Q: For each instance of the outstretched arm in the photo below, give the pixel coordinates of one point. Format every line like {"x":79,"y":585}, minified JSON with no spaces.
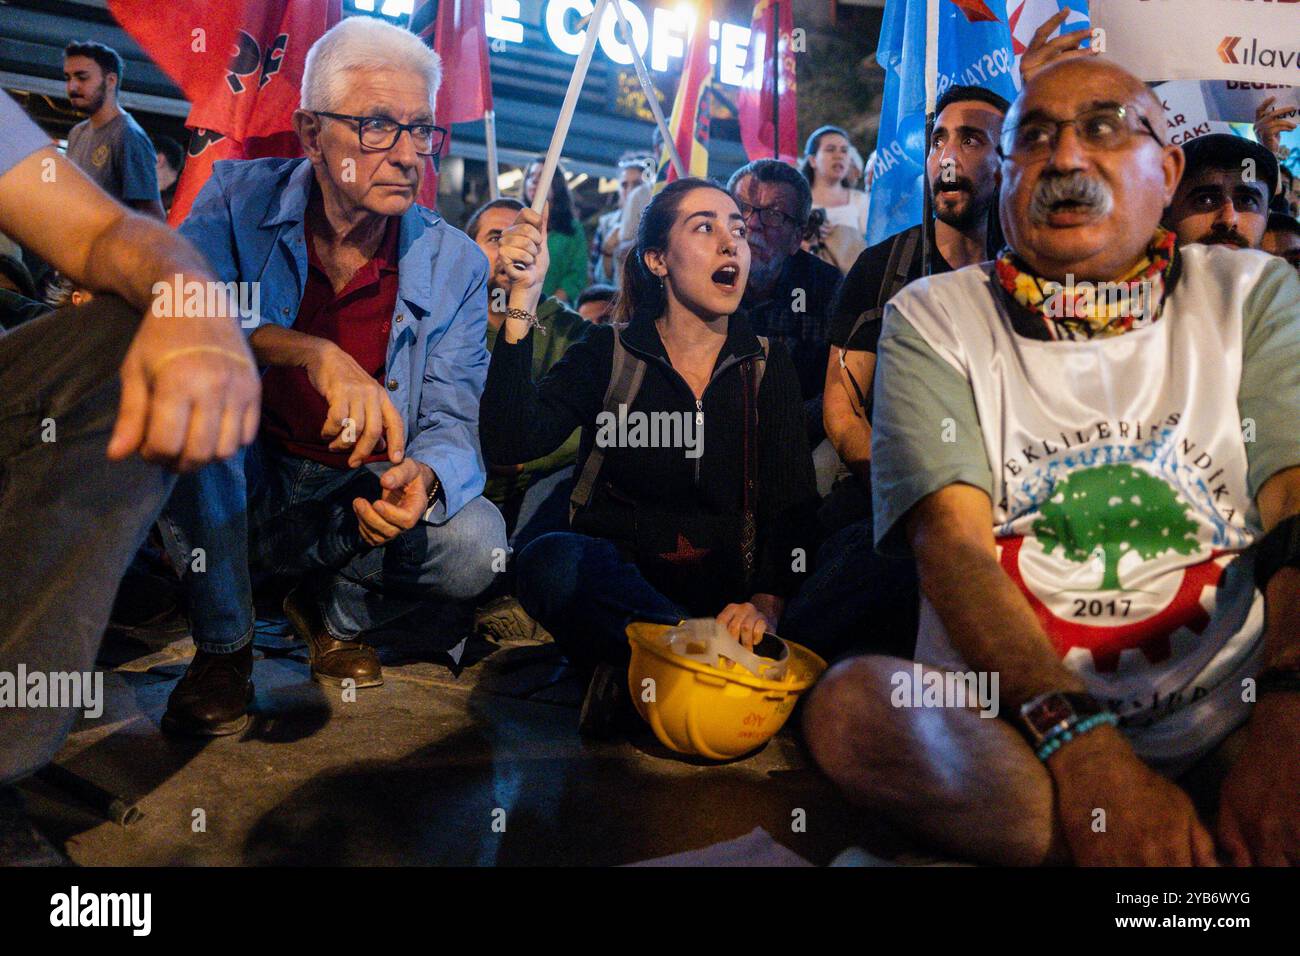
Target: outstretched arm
{"x":190,"y":392}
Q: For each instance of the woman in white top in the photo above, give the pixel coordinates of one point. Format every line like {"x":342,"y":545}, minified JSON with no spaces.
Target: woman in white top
{"x":826,"y":165}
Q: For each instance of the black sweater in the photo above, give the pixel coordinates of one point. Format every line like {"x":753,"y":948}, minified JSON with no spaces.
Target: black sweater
{"x":679,"y":518}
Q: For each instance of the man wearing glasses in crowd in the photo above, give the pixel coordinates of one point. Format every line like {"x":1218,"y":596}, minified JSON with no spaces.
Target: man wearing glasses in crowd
{"x":788,"y":297}
{"x":1089,"y":445}
{"x":365,"y":485}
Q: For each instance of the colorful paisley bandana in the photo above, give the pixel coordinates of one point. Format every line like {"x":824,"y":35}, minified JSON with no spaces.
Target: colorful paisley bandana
{"x":1053,"y":311}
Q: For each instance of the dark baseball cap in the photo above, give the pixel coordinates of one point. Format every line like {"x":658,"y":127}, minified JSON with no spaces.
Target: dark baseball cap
{"x":1226,"y":151}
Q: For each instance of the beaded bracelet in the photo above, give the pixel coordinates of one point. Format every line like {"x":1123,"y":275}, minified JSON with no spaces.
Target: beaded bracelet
{"x":533,"y":321}
{"x":1061,"y":737}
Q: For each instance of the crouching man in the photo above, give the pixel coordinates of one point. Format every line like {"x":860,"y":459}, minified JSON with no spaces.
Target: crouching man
{"x":367,"y":477}
{"x":1101,"y":492}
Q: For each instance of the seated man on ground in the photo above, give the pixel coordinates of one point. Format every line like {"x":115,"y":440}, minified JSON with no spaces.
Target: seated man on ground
{"x":857,"y":598}
{"x":1101,"y":487}
{"x":366,"y":483}
{"x":99,"y":403}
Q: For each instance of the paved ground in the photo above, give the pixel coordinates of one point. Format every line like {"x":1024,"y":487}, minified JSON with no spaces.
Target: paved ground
{"x":476,"y":762}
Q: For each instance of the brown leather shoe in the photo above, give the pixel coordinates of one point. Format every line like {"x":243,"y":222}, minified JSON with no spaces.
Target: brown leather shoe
{"x":212,"y":697}
{"x":332,"y":661}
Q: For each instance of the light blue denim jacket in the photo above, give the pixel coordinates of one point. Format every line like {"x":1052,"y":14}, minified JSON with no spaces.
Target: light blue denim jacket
{"x":248,"y":221}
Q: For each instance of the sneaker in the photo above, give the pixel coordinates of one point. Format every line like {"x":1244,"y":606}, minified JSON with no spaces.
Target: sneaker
{"x":504,"y":621}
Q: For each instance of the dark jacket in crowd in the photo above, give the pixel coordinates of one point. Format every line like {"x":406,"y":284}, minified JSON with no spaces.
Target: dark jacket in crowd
{"x":678,"y":518}
{"x":798,"y":315}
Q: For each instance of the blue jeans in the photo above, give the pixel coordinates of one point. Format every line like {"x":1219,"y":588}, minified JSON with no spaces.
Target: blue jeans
{"x":545,"y":508}
{"x":585,"y":592}
{"x":293,"y":517}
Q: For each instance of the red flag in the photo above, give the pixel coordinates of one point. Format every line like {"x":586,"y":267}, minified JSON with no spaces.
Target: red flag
{"x":239,"y":63}
{"x":768,"y":90}
{"x":693,"y":106}
{"x":457,"y":30}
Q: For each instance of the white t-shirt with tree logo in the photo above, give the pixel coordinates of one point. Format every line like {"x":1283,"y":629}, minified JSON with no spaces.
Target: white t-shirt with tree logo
{"x":1122,"y":472}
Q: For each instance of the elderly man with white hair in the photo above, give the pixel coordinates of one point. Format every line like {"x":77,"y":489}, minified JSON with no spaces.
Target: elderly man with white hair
{"x":365,"y":483}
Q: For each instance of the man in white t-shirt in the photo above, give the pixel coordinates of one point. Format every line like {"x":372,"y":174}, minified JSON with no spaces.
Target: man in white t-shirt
{"x":1090,"y":447}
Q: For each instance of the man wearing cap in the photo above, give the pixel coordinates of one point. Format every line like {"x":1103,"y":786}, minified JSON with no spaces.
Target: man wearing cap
{"x":1223,"y":196}
{"x":1089,"y":446}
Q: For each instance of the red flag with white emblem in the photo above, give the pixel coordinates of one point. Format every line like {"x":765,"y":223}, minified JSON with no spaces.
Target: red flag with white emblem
{"x":239,"y":64}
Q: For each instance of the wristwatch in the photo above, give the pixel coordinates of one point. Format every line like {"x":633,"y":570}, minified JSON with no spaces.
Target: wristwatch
{"x":1056,"y":712}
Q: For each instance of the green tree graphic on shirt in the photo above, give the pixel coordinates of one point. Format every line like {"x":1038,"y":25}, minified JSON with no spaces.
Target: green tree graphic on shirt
{"x":1116,"y":508}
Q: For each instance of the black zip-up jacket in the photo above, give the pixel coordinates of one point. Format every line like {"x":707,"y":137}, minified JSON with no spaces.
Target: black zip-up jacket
{"x":678,"y":518}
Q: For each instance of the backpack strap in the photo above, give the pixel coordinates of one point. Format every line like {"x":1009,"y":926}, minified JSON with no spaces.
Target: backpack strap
{"x":625,"y":377}
{"x":899,"y":264}
{"x":761,"y":364}
{"x":897,"y":267}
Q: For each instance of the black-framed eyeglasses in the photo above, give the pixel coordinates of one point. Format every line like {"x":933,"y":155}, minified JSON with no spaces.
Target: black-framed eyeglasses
{"x":769,"y":216}
{"x":380,"y":133}
{"x":1099,"y":129}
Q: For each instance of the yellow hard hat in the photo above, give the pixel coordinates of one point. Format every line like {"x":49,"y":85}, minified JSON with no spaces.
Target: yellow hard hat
{"x":702,"y":693}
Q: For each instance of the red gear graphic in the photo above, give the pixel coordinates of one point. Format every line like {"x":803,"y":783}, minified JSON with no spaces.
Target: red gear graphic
{"x":1150,"y":635}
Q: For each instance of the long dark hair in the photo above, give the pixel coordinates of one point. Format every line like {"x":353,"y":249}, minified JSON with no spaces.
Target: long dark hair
{"x":810,"y":150}
{"x":641,"y":293}
{"x":561,"y":215}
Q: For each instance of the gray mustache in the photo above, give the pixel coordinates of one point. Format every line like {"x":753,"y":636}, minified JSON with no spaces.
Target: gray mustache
{"x":1069,"y":187}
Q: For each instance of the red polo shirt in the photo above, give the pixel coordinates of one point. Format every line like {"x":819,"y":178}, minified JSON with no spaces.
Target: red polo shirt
{"x":357,"y":319}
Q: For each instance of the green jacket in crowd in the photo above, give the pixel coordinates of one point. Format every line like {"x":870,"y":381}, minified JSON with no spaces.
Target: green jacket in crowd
{"x":569,"y":262}
{"x":563,"y":327}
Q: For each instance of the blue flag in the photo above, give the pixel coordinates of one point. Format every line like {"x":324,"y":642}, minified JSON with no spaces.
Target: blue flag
{"x":976,"y":48}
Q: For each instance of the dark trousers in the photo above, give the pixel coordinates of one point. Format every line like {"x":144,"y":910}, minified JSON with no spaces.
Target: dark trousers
{"x":585,"y":592}
{"x":856,"y":601}
{"x":70,"y":520}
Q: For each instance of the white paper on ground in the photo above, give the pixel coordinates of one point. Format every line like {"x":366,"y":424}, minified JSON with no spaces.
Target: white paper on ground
{"x":755,"y":848}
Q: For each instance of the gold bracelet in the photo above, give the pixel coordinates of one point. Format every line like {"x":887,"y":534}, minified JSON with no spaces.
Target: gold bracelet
{"x":193,"y":349}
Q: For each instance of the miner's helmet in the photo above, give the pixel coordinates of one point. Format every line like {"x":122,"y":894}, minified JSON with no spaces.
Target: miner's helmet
{"x":704,"y":694}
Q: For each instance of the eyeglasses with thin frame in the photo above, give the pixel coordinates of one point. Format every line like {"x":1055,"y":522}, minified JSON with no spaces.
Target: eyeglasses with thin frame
{"x":379,"y":133}
{"x":769,"y":216}
{"x":1100,"y":129}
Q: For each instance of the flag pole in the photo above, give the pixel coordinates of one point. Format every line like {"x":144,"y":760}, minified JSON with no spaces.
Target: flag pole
{"x":931,"y":94}
{"x":490,"y":138}
{"x":567,"y":110}
{"x":648,"y":88}
{"x":774,"y":41}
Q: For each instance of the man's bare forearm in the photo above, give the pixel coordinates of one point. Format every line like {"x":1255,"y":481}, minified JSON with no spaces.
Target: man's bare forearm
{"x":276,"y":345}
{"x":134,"y":253}
{"x":987,"y":619}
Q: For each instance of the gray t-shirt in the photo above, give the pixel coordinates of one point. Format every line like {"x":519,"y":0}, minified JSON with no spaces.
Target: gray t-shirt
{"x":21,"y":136}
{"x":119,"y":156}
